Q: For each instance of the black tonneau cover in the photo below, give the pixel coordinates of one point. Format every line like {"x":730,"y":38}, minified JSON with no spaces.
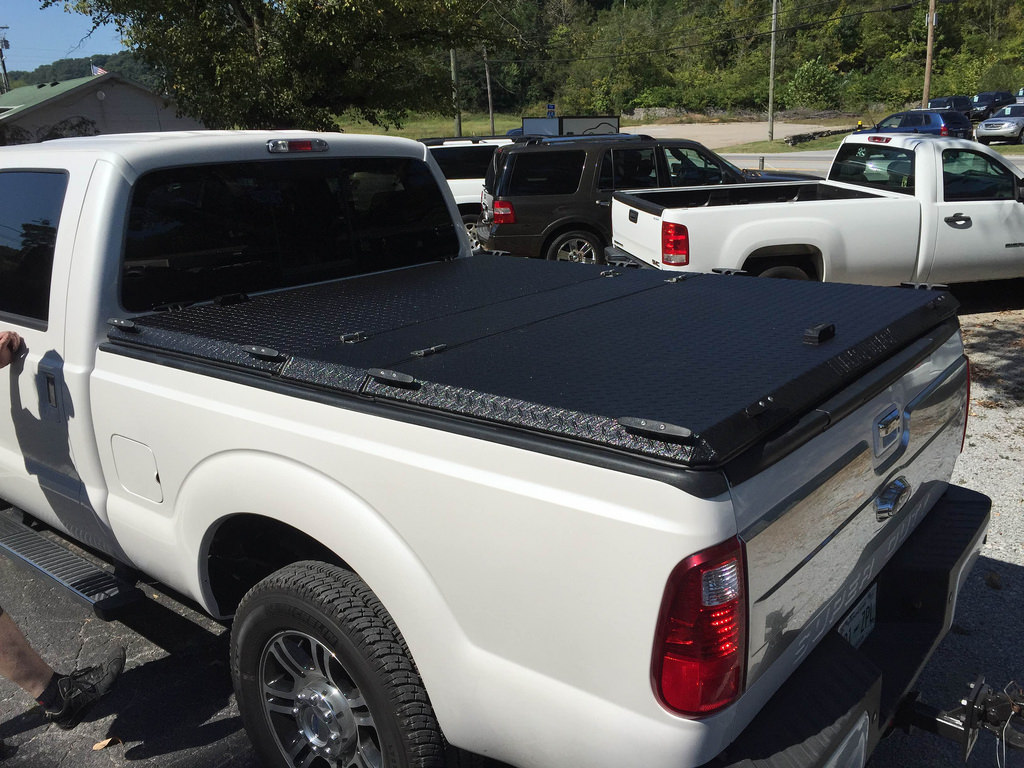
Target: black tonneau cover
{"x":693,"y":369}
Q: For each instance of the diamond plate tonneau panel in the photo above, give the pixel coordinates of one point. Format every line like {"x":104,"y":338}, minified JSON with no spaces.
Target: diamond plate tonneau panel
{"x":561,"y":349}
{"x":302,"y":323}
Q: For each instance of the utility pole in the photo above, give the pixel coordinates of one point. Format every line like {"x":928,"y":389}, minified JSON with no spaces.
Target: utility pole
{"x":771,"y":72}
{"x":5,"y":84}
{"x":455,"y":96}
{"x":490,"y":101}
{"x":928,"y":57}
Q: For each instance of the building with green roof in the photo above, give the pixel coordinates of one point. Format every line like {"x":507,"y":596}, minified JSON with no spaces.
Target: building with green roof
{"x":85,"y":106}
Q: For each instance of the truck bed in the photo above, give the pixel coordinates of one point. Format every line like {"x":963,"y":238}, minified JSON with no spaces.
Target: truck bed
{"x":536,"y":346}
{"x":655,"y":201}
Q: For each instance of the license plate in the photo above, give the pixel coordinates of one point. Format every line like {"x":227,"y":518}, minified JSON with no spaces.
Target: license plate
{"x":861,"y":619}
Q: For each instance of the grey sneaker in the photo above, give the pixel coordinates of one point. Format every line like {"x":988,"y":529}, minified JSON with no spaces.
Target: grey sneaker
{"x":81,"y":689}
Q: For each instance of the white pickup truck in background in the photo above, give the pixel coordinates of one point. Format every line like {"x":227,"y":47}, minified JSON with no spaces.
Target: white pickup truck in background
{"x":895,"y":208}
{"x":446,"y":517}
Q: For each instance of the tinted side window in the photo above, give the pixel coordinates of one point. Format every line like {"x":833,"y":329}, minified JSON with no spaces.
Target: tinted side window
{"x":546,"y":173}
{"x":464,"y":162}
{"x":198,"y":232}
{"x":688,"y":168}
{"x":635,"y":168}
{"x":893,"y":121}
{"x":30,"y":205}
{"x":969,"y":175}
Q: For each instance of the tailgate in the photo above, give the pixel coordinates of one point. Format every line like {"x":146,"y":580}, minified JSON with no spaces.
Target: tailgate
{"x":821,"y":523}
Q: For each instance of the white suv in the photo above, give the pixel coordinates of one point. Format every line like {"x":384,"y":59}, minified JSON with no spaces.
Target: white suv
{"x":464,"y":161}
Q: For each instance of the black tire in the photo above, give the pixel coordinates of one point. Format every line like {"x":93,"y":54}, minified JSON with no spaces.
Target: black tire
{"x":784,"y":272}
{"x":1020,"y":136}
{"x":983,"y":141}
{"x":469,"y":222}
{"x":324,"y":678}
{"x":578,"y":245}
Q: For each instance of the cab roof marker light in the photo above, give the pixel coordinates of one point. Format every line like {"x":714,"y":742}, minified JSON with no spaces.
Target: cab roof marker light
{"x":290,"y":146}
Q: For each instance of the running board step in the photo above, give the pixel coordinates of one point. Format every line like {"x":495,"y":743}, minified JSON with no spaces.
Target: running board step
{"x":104,"y":591}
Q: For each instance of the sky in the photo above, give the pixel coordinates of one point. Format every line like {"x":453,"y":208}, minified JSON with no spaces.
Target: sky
{"x":42,"y":36}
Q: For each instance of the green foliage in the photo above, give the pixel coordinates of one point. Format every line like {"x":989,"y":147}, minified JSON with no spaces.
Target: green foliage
{"x":276,"y":63}
{"x":814,"y":85}
{"x":293,"y":63}
{"x":125,"y":64}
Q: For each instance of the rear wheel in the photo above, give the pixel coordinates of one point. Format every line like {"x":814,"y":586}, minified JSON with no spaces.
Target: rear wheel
{"x":784,"y":272}
{"x":983,"y":141}
{"x":579,"y":246}
{"x":1020,"y":136}
{"x":323,"y":678}
{"x":469,"y":222}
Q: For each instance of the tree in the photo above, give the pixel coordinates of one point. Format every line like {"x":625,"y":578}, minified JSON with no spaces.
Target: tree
{"x":292,"y":63}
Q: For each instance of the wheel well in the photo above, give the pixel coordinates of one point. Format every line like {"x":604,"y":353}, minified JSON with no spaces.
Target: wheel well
{"x":574,"y":227}
{"x":470,"y":209}
{"x":806,"y":257}
{"x":245,"y":549}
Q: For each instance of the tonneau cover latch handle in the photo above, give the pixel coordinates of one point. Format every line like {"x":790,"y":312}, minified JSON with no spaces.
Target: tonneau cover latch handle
{"x":659,"y":430}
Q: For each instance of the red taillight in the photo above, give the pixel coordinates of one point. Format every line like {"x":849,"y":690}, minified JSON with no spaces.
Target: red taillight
{"x":675,"y":244}
{"x":504,"y":213}
{"x":700,"y":645}
{"x":944,"y":130}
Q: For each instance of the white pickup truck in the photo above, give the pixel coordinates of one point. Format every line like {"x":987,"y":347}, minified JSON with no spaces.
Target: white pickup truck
{"x":895,"y":208}
{"x":448,"y":519}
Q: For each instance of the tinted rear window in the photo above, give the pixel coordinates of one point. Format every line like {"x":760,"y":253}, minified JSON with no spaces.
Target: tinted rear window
{"x":464,"y":162}
{"x":198,"y":232}
{"x":875,"y":165}
{"x":546,"y":173}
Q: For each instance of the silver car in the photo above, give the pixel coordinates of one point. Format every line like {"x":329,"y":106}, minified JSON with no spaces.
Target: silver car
{"x":1007,"y":124}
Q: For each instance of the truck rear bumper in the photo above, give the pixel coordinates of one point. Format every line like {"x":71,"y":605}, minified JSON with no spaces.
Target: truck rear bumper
{"x":841,"y":699}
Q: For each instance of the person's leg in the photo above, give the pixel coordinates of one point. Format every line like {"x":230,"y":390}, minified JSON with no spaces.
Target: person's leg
{"x":19,"y":662}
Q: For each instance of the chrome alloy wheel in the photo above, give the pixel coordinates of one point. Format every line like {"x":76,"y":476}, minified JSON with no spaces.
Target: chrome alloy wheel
{"x":317,"y":713}
{"x":577,"y":249}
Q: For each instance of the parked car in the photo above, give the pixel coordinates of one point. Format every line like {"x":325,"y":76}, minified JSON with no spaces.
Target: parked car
{"x":985,"y":103}
{"x":1005,"y":125}
{"x":961,"y":104}
{"x":550,"y":197}
{"x":938,"y":122}
{"x":464,"y":161}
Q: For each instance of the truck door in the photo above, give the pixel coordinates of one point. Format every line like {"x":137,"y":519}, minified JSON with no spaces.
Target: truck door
{"x":35,"y":456}
{"x":979,"y":226}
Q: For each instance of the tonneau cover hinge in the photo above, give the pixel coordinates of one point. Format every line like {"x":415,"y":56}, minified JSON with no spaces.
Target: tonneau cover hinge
{"x":429,"y":350}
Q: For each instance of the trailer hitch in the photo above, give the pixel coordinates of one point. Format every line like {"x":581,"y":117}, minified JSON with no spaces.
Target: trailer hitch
{"x":982,"y":708}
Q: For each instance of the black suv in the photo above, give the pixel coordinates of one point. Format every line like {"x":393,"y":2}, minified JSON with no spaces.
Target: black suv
{"x":961,"y":104}
{"x":985,"y":103}
{"x":550,"y":197}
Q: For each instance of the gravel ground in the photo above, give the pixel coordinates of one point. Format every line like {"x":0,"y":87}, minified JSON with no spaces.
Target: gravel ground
{"x":990,"y":622}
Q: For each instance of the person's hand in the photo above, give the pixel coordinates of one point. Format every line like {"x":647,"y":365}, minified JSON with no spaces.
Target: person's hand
{"x":9,"y":344}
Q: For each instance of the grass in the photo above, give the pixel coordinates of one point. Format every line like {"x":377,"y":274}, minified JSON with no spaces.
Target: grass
{"x":424,"y":126}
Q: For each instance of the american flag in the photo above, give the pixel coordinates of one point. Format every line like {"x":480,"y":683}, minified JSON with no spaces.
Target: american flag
{"x":97,"y":70}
